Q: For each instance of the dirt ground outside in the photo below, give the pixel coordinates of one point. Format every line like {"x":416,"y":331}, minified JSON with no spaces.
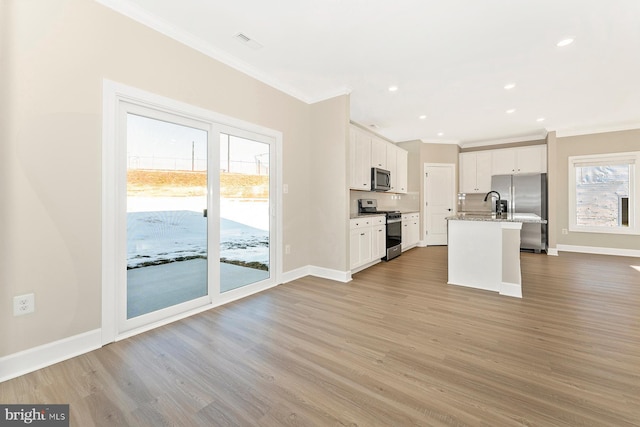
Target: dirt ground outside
{"x":165,"y":183}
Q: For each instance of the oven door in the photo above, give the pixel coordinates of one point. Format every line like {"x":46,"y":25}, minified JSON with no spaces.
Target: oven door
{"x":394,"y":239}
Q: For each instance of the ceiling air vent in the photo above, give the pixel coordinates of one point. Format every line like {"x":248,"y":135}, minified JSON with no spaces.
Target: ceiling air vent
{"x":248,"y":41}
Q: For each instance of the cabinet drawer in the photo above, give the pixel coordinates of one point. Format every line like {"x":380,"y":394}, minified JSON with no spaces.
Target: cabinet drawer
{"x":378,"y":220}
{"x":410,"y":216}
{"x":360,"y":223}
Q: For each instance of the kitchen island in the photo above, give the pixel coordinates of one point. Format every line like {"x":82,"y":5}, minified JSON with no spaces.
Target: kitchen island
{"x":484,"y":251}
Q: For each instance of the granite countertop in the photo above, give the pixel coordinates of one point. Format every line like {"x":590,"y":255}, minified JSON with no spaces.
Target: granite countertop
{"x":355,"y":216}
{"x":492,"y":217}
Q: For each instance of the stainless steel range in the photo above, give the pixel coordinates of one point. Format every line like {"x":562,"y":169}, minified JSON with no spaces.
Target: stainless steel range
{"x":394,"y":226}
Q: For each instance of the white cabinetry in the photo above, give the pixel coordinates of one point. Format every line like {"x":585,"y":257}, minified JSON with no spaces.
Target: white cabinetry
{"x":410,"y":230}
{"x":401,"y":179}
{"x":392,"y":156}
{"x":397,"y":164}
{"x":475,"y":172}
{"x":366,"y":151}
{"x":367,"y":240}
{"x":379,"y":241}
{"x":510,"y":161}
{"x":378,"y":153}
{"x":359,"y":160}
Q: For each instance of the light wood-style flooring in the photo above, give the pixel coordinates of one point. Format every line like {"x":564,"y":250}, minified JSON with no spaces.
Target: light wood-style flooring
{"x":397,"y":346}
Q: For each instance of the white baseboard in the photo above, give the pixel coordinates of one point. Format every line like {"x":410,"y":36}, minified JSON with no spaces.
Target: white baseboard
{"x":311,"y":270}
{"x":23,"y":362}
{"x":291,"y":275}
{"x":599,"y":251}
{"x":327,"y":273}
{"x":552,"y":251}
{"x":511,"y":290}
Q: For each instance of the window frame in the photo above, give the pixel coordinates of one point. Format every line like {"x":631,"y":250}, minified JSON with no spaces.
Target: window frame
{"x":633,"y":158}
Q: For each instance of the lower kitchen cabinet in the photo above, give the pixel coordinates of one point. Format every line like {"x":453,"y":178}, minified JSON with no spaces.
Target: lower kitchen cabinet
{"x":410,"y":230}
{"x":367,"y":240}
{"x":379,"y":242}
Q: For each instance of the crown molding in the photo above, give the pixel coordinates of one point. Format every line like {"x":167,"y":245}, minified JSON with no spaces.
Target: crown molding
{"x":330,"y":94}
{"x":487,"y":142}
{"x":440,"y":141}
{"x":141,"y":16}
{"x":561,"y":133}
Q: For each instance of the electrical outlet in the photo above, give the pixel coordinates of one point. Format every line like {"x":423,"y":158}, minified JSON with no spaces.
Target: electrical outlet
{"x":287,"y":249}
{"x":565,"y":231}
{"x":23,"y":304}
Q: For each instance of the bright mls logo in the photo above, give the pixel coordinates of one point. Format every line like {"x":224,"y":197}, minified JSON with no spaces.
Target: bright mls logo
{"x":34,"y":415}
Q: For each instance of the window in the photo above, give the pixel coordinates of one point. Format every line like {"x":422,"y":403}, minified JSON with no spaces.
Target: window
{"x":602,"y":193}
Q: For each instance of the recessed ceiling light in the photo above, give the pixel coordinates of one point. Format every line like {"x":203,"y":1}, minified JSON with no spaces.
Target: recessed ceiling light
{"x":422,"y":117}
{"x":440,"y":133}
{"x":540,"y":119}
{"x":511,"y":111}
{"x":509,"y":86}
{"x":393,"y":88}
{"x":564,"y":42}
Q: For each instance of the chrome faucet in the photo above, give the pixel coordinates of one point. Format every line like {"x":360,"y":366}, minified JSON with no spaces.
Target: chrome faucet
{"x":498,"y":204}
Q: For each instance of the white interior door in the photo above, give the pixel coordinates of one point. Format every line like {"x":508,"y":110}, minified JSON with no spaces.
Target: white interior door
{"x":439,"y":188}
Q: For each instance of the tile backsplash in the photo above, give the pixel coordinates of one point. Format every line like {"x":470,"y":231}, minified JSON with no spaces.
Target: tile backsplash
{"x":470,"y":202}
{"x":409,"y":202}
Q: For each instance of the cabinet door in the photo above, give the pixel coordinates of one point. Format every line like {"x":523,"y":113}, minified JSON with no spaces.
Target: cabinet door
{"x":392,"y":156}
{"x":467,"y":172}
{"x":365,"y":245}
{"x":414,"y":228}
{"x":360,"y":250}
{"x":503,"y":161}
{"x":531,"y":159}
{"x":378,"y":153}
{"x":483,"y":172}
{"x":379,"y":242}
{"x":354,"y":172}
{"x":401,"y":171}
{"x":360,"y":160}
{"x":354,"y":249}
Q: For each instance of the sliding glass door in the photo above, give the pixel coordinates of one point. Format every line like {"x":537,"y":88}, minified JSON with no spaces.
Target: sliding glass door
{"x":244,"y":211}
{"x":196,"y":215}
{"x":166,"y":227}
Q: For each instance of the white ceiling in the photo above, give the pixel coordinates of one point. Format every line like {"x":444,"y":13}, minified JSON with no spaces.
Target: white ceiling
{"x":449,"y":58}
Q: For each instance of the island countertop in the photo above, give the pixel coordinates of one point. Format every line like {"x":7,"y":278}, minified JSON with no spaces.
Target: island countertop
{"x":492,"y":217}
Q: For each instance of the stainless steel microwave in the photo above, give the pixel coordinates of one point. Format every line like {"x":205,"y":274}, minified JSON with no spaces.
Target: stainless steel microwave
{"x":380,"y":179}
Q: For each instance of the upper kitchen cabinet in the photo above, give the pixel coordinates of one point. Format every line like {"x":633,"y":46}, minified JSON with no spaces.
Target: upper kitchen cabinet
{"x":359,"y":159}
{"x":397,"y":164}
{"x":475,"y":172}
{"x":512,"y":161}
{"x":366,"y":151}
{"x":378,"y":153}
{"x":402,"y":173}
{"x":392,"y":157}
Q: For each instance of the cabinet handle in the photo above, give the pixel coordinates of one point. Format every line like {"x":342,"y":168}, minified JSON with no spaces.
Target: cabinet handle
{"x":362,"y":234}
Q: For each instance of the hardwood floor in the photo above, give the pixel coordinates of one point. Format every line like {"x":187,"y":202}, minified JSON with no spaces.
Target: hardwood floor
{"x":394,"y":347}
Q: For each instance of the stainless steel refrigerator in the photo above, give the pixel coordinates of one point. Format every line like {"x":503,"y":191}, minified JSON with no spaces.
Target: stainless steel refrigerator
{"x":526,"y":194}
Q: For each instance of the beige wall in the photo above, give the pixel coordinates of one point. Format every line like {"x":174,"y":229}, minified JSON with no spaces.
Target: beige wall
{"x":328,"y":241}
{"x":601,"y":143}
{"x":56,"y":54}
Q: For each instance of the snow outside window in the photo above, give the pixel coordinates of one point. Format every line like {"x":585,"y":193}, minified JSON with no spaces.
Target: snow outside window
{"x":602,"y":193}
